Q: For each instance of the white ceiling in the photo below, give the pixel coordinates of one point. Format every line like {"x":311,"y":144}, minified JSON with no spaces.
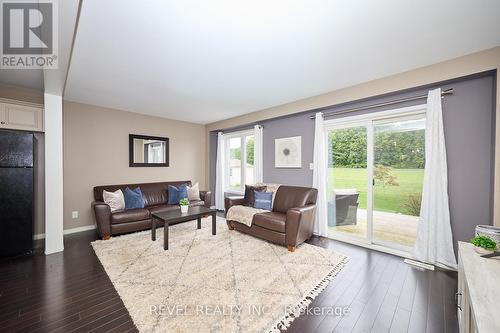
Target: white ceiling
{"x":203,"y":61}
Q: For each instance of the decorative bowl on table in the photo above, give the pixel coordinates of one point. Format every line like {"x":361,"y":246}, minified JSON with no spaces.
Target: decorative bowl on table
{"x":484,"y":241}
{"x":489,"y":231}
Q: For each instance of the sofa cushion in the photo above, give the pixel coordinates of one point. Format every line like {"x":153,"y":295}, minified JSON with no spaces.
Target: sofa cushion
{"x":163,"y":208}
{"x":130,"y":215}
{"x":133,"y":198}
{"x":175,"y":194}
{"x":293,"y":196}
{"x":115,"y":200}
{"x":195,"y":203}
{"x":249,"y":198}
{"x":154,"y":194}
{"x":194,"y":192}
{"x":263,"y":200}
{"x":272,"y":221}
{"x":270,"y":187}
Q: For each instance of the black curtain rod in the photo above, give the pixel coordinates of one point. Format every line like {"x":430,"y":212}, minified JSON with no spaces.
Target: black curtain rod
{"x":397,"y":101}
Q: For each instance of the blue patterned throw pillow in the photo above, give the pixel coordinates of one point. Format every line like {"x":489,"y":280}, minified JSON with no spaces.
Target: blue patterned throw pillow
{"x":133,"y":198}
{"x":263,"y":200}
{"x":176,"y":194}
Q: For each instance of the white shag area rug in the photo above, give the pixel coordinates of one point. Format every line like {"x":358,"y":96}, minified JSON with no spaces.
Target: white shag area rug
{"x":230,"y":282}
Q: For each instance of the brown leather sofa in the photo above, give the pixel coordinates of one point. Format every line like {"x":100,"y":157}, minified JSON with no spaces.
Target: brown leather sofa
{"x":155,"y":200}
{"x":290,"y":222}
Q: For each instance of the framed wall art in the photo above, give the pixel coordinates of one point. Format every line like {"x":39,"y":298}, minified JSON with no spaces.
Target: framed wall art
{"x":288,"y":152}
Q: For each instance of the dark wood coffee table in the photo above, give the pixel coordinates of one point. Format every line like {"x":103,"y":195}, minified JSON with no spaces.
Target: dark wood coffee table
{"x":175,"y":216}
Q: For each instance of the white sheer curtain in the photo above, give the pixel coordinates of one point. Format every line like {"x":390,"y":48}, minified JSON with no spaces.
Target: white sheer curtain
{"x":320,"y":176}
{"x":434,"y":244}
{"x":257,"y":154}
{"x":219,"y":178}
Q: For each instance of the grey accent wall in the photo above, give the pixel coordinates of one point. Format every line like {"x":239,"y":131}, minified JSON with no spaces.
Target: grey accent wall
{"x":300,"y":125}
{"x":469,"y":120}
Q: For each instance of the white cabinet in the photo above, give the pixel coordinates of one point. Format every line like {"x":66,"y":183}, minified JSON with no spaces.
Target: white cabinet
{"x":2,"y":115}
{"x":464,"y":312}
{"x":21,"y":116}
{"x":478,"y":294}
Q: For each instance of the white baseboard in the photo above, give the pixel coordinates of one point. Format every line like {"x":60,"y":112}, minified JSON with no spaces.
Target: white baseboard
{"x":419,"y":264}
{"x":54,"y":250}
{"x":38,"y":236}
{"x":68,"y":231}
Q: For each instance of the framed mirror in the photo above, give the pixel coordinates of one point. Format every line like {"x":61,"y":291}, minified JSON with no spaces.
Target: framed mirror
{"x":148,"y":151}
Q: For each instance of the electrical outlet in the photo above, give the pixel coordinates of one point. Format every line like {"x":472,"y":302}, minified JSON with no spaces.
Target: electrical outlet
{"x":311,"y":166}
{"x":74,"y":214}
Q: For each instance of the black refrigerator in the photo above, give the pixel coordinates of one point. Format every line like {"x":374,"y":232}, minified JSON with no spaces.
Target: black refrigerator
{"x":16,"y":192}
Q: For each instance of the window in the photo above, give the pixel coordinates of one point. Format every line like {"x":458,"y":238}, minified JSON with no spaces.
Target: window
{"x":239,"y":161}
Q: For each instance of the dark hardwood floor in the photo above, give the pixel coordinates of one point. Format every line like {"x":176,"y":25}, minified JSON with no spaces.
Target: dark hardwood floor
{"x":384,"y":295}
{"x":70,"y":292}
{"x":63,"y":292}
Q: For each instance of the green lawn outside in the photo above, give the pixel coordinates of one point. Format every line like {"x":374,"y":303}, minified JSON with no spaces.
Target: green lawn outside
{"x":386,"y":198}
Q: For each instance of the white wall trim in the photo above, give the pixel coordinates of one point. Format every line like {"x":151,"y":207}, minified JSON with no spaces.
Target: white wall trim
{"x":68,"y":231}
{"x":54,"y":198}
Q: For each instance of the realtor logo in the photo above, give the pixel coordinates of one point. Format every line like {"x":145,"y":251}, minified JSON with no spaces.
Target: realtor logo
{"x":29,"y":34}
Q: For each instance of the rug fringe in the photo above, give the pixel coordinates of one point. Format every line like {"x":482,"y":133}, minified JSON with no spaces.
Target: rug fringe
{"x":289,"y":317}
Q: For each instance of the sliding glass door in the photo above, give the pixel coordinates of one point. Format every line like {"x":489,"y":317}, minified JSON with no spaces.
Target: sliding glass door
{"x":376,"y":168}
{"x":347,"y":181}
{"x":399,"y":147}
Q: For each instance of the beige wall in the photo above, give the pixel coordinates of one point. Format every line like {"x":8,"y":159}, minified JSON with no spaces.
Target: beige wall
{"x":470,"y":64}
{"x":96,"y":153}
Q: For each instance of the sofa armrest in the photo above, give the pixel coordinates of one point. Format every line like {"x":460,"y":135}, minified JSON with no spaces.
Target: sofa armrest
{"x":102,"y":214}
{"x":206,"y":196}
{"x":232,"y":201}
{"x":299,"y":224}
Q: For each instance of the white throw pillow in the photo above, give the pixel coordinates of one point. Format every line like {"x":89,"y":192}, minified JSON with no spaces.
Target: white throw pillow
{"x":115,"y":200}
{"x":194,"y":192}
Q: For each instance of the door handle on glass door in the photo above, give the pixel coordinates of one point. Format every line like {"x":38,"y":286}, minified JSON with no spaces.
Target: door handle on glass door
{"x":458,"y":300}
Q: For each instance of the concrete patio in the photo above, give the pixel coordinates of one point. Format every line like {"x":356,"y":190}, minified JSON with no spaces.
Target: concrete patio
{"x":394,"y":228}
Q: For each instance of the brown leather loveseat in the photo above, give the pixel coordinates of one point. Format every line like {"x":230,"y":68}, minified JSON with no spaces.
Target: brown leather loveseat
{"x":291,"y":221}
{"x":155,"y":200}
